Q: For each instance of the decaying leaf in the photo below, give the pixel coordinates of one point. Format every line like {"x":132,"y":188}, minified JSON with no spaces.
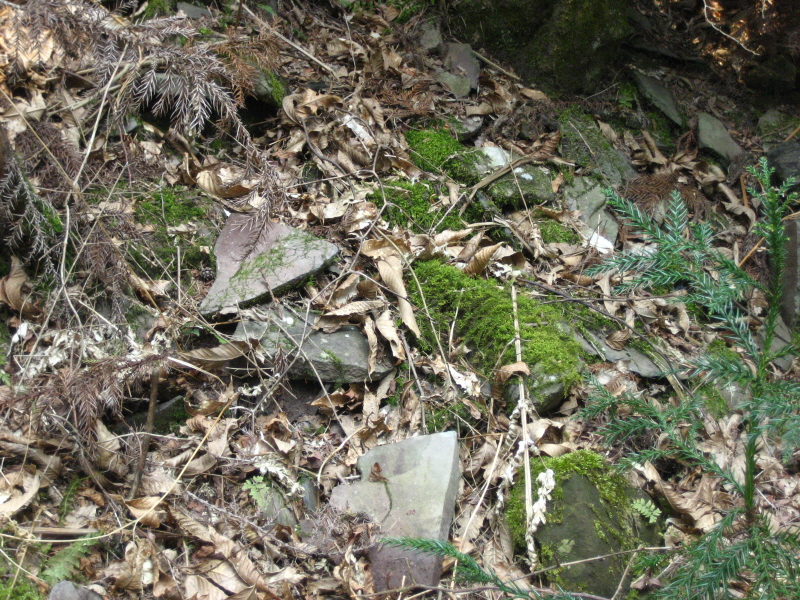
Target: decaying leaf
{"x":478,"y":263}
{"x":15,"y":290}
{"x":217,"y":357}
{"x":391,"y":272}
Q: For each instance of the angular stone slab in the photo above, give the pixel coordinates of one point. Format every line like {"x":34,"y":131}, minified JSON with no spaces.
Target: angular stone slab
{"x":652,"y":89}
{"x":251,"y":270}
{"x":66,"y":590}
{"x":712,"y":134}
{"x":338,"y":357}
{"x":416,"y":500}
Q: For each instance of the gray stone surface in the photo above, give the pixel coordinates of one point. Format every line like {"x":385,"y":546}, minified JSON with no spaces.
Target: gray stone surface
{"x":588,"y":527}
{"x":338,"y":357}
{"x":640,"y":363}
{"x":785,"y":159}
{"x":252,"y":267}
{"x":545,"y":390}
{"x":587,"y":196}
{"x":416,"y":500}
{"x":458,"y":85}
{"x":532,"y":180}
{"x":652,"y":89}
{"x":712,"y":134}
{"x":782,"y":338}
{"x":66,"y":590}
{"x":790,"y":301}
{"x":431,"y":38}
{"x":776,"y":74}
{"x":192,"y":11}
{"x":459,"y":59}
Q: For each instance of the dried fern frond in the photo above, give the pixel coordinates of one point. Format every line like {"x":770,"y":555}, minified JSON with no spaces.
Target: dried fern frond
{"x":192,"y":84}
{"x":29,"y":225}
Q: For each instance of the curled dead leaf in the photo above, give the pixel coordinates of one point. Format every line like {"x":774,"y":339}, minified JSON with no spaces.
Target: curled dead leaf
{"x":618,"y":339}
{"x":15,"y":290}
{"x":480,"y":261}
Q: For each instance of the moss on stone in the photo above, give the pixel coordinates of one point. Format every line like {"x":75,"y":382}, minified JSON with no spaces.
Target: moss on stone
{"x":612,"y":487}
{"x":482,"y":312}
{"x":436,"y":150}
{"x":583,"y":143}
{"x":554,"y":232}
{"x":170,"y":208}
{"x":412,"y":205}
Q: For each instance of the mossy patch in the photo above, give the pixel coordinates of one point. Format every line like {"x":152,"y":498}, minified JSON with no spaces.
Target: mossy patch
{"x":436,"y":150}
{"x":482,"y":312}
{"x":590,"y":513}
{"x":583,"y":143}
{"x":414,"y":205}
{"x":554,"y":232}
{"x":171,"y":208}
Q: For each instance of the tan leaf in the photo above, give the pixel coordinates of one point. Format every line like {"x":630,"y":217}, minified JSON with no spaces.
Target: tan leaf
{"x":346,"y":290}
{"x":223,"y":181}
{"x":18,"y":489}
{"x":391,"y":272}
{"x":144,"y":509}
{"x":215,"y":358}
{"x":618,"y":339}
{"x":368,"y":289}
{"x":468,"y":251}
{"x":14,"y":290}
{"x":504,"y":373}
{"x":356,"y":308}
{"x":481,"y":259}
{"x":385,"y":325}
{"x":372,"y":340}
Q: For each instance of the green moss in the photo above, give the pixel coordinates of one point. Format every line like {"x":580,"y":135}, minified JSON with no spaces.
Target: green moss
{"x":22,"y":589}
{"x":447,"y":417}
{"x":482,"y":312}
{"x":554,"y":232}
{"x":411,"y":205}
{"x":712,"y":400}
{"x":611,"y":486}
{"x":170,"y":208}
{"x":436,"y":150}
{"x":160,"y":8}
{"x":583,"y":143}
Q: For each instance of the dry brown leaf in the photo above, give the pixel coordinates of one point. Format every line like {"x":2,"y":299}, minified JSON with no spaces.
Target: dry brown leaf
{"x":468,"y":251}
{"x":345,"y":290}
{"x":215,"y":358}
{"x":368,"y":289}
{"x":224,"y":181}
{"x":391,"y":272}
{"x":618,"y":339}
{"x":504,"y":373}
{"x":17,"y":489}
{"x":14,"y":291}
{"x":144,"y":509}
{"x":356,"y":308}
{"x":372,"y":340}
{"x":480,"y":261}
{"x":385,"y":325}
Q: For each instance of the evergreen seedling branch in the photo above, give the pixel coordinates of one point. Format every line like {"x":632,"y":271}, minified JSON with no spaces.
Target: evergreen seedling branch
{"x":744,"y":551}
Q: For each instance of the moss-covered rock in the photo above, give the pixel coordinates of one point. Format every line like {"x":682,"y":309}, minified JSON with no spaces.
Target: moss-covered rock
{"x":175,"y":218}
{"x":590,"y":514}
{"x":563,"y":45}
{"x":483,"y":315}
{"x":414,"y":205}
{"x":436,"y":150}
{"x":583,"y":143}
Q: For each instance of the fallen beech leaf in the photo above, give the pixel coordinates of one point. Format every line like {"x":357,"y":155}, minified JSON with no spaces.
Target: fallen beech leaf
{"x":14,"y":291}
{"x":479,"y":262}
{"x":215,"y":358}
{"x":385,"y":325}
{"x":144,"y":509}
{"x":618,"y":339}
{"x":15,"y":500}
{"x":356,"y":308}
{"x":392,"y":274}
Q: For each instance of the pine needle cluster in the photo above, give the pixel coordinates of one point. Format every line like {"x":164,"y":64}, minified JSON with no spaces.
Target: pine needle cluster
{"x":743,"y":551}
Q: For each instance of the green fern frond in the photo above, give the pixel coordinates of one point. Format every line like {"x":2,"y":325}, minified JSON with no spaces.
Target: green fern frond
{"x":63,"y":563}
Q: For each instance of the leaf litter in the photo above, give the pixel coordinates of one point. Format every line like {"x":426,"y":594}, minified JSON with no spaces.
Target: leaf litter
{"x":70,"y":370}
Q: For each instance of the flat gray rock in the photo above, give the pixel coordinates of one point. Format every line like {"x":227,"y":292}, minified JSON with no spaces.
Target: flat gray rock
{"x":640,"y":363}
{"x":655,"y":91}
{"x":431,"y":38}
{"x":253,"y":265}
{"x":417,"y":499}
{"x":458,"y":85}
{"x":459,"y":59}
{"x":338,"y":357}
{"x":66,"y":590}
{"x":532,"y":181}
{"x":712,"y":134}
{"x":587,"y":196}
